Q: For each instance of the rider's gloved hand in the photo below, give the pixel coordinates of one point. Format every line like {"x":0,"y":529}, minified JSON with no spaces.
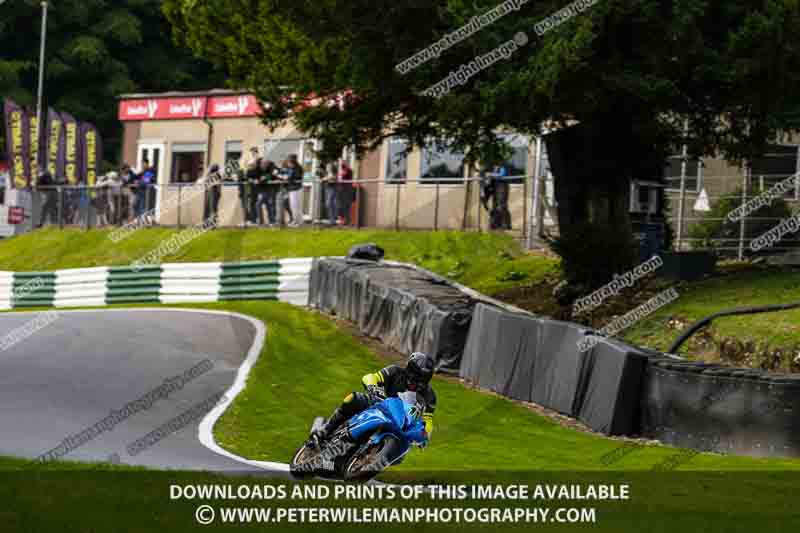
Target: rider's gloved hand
{"x":375,"y":392}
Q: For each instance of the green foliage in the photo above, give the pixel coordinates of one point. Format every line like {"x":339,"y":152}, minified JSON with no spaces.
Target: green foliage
{"x":716,"y":231}
{"x":586,"y":261}
{"x":96,"y":50}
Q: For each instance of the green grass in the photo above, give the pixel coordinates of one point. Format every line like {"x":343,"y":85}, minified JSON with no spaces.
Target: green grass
{"x":485,"y":262}
{"x":307,"y":366}
{"x":737,"y":288}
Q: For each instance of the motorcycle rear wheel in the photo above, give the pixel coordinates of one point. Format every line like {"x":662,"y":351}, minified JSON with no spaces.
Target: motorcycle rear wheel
{"x":371,"y":461}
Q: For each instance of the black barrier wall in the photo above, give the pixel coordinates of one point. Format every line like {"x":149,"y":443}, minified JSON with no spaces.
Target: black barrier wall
{"x":406,"y":309}
{"x":536,"y":360}
{"x":613,"y":388}
{"x":728,"y":410}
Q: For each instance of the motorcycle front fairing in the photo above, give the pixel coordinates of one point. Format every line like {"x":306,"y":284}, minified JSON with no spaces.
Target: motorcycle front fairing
{"x":393,"y":417}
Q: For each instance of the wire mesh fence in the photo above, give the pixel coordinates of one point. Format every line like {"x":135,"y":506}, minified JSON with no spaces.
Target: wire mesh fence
{"x":727,"y":213}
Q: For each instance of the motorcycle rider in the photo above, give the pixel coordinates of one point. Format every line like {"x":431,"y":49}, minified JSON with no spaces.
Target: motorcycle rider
{"x":387,"y":383}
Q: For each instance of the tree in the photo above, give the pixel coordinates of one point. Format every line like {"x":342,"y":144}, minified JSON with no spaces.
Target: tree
{"x":618,"y":82}
{"x":96,"y":50}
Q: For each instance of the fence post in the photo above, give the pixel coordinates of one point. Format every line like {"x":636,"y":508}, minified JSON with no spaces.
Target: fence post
{"x":745,"y":181}
{"x":525,"y":208}
{"x":436,"y":209}
{"x":180,"y":196}
{"x":480,"y":227}
{"x":397,"y":208}
{"x":60,"y":207}
{"x":358,"y":207}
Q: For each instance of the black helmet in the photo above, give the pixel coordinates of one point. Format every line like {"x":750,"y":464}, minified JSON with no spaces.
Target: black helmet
{"x":420,"y":370}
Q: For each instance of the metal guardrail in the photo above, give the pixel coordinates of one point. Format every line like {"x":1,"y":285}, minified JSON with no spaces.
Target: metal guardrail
{"x":186,"y":204}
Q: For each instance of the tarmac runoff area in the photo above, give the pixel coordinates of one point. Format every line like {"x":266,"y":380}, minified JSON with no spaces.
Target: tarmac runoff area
{"x":140,"y":387}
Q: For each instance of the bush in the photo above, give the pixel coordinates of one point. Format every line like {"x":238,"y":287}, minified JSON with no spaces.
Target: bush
{"x":717,"y":233}
{"x":592,"y":253}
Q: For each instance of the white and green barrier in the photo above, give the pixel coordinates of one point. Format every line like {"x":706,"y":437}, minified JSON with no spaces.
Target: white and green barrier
{"x":285,"y":280}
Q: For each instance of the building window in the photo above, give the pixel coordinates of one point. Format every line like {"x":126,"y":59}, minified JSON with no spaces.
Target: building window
{"x":517,"y":162}
{"x":233,"y":154}
{"x":188,"y":162}
{"x":672,"y":174}
{"x":279,"y":150}
{"x":397,"y":161}
{"x":778,"y":163}
{"x":442,"y":164}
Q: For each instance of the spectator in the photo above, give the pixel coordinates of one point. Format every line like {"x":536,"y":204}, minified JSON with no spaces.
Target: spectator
{"x":294,"y":188}
{"x":115,"y":196}
{"x":329,"y":181}
{"x":247,"y":167}
{"x":143,"y":185}
{"x":129,"y":179}
{"x":50,"y":194}
{"x":500,"y":217}
{"x":212,"y":182}
{"x":267,"y":192}
{"x":252,"y":177}
{"x":345,"y":193}
{"x":283,"y":196}
{"x":102,"y":199}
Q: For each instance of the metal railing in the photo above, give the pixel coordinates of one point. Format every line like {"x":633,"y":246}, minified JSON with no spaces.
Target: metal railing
{"x":419,"y":204}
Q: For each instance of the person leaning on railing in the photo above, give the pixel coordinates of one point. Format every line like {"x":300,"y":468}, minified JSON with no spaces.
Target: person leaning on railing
{"x":267,"y":192}
{"x":329,"y":180}
{"x":294,"y":188}
{"x":345,"y":193}
{"x":211,"y":180}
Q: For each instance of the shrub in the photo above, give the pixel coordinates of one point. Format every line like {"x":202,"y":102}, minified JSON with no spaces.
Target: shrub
{"x":718,"y":233}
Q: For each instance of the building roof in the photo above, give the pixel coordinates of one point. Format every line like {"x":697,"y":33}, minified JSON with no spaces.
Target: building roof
{"x":183,"y":94}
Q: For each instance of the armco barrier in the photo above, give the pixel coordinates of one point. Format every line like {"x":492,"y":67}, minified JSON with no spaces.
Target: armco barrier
{"x":286,"y":280}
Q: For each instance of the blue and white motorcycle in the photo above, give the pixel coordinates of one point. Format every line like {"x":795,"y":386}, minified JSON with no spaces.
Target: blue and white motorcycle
{"x":365,"y":445}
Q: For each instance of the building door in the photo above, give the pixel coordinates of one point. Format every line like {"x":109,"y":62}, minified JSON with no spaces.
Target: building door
{"x":153,"y":153}
{"x":279,"y":149}
{"x":312,"y":194}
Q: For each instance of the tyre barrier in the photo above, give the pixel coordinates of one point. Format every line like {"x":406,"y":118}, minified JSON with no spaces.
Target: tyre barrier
{"x":537,"y":360}
{"x":285,"y":280}
{"x":404,"y":307}
{"x":722,"y":409}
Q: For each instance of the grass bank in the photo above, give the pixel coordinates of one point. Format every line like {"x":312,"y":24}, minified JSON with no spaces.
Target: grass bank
{"x":485,"y":262}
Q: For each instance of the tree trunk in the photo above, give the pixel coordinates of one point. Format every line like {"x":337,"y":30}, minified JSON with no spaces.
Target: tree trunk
{"x":593,"y":164}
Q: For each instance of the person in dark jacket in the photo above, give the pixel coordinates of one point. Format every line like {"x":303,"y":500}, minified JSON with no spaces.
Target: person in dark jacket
{"x":500,"y":217}
{"x":294,"y":189}
{"x":267,"y":192}
{"x":50,"y":195}
{"x":345,"y":193}
{"x":212,"y":183}
{"x":129,"y":179}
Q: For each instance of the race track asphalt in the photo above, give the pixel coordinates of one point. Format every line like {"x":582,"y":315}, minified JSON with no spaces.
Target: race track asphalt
{"x":72,"y":373}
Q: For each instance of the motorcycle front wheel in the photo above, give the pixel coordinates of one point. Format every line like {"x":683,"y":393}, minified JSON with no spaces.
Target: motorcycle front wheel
{"x":371,"y":460}
{"x":303,"y":458}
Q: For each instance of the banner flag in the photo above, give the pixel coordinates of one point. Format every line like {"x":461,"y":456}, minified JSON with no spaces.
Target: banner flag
{"x":35,"y":138}
{"x":17,"y":144}
{"x":92,"y":153}
{"x":72,"y":171}
{"x":56,"y":146}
